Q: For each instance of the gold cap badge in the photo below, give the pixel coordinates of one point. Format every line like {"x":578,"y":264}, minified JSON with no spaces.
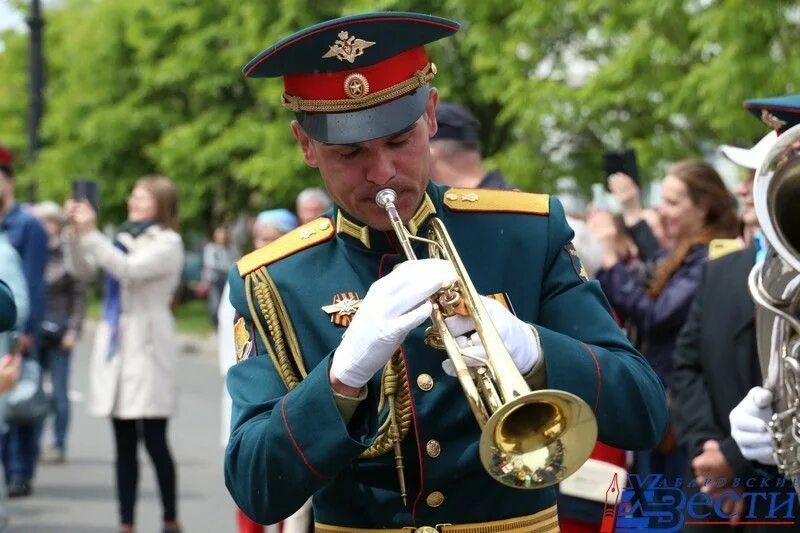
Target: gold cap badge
{"x":356,"y":85}
{"x":347,"y":47}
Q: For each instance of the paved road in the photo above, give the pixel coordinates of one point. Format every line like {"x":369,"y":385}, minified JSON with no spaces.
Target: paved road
{"x":79,"y":497}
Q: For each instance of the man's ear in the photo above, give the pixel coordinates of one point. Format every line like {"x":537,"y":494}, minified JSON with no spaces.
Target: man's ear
{"x":306,"y":144}
{"x":430,"y":112}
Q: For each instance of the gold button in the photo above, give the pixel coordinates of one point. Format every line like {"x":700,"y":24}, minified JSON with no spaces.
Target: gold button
{"x":425,"y":382}
{"x":323,"y":225}
{"x":451,"y":196}
{"x":434,"y":499}
{"x":433,"y":448}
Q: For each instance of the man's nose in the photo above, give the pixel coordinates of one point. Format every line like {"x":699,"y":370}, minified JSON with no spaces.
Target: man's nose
{"x":381,"y":168}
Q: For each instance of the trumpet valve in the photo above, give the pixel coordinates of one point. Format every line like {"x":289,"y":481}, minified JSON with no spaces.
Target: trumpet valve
{"x":433,"y":339}
{"x":450,"y":302}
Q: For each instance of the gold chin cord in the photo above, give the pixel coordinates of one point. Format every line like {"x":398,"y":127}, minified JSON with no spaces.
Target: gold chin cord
{"x":529,"y":440}
{"x":775,"y":287}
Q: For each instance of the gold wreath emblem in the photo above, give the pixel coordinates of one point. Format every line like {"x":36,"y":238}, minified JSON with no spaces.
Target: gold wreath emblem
{"x":356,"y":86}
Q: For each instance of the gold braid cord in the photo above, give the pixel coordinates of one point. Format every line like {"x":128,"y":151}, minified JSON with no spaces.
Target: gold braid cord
{"x":420,"y":78}
{"x":283,"y":348}
{"x":395,"y":389}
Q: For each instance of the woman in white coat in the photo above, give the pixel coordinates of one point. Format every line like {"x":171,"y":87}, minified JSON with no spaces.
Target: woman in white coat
{"x":133,"y":366}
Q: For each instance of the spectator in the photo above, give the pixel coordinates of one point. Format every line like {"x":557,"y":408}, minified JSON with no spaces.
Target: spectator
{"x":749,"y":160}
{"x":14,"y":306}
{"x":21,"y":446}
{"x":271,"y":224}
{"x":643,"y":224}
{"x":311,"y":203}
{"x":61,"y":327}
{"x":456,"y":151}
{"x":696,"y":208}
{"x":133,"y":367}
{"x":217,"y":261}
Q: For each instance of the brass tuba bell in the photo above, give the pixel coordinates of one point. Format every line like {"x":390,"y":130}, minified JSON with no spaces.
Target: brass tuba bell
{"x":775,"y":287}
{"x":529,"y":440}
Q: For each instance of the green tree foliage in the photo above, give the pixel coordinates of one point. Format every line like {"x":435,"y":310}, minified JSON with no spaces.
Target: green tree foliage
{"x":146,"y":86}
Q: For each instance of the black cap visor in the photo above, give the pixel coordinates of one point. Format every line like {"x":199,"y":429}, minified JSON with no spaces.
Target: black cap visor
{"x":366,"y":124}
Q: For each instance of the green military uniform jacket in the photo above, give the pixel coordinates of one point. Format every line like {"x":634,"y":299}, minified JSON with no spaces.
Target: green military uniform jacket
{"x":287,"y":446}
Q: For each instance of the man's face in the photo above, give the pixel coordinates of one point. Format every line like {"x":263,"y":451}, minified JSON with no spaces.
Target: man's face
{"x":6,"y":190}
{"x":354,"y":173}
{"x":309,"y":210}
{"x":745,"y":193}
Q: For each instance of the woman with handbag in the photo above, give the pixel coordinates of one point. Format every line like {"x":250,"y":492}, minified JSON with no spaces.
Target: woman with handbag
{"x":133,"y":366}
{"x":61,"y":326}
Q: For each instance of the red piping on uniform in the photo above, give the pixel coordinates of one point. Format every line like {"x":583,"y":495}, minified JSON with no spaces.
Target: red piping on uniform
{"x":297,"y":446}
{"x":599,"y":376}
{"x":350,"y":22}
{"x":419,"y":446}
{"x":413,"y":418}
{"x":789,"y":110}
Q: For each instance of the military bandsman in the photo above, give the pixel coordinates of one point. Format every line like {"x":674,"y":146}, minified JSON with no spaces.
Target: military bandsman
{"x":337,"y":395}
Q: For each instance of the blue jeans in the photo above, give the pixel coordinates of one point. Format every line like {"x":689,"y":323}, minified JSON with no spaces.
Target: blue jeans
{"x":56,"y":362}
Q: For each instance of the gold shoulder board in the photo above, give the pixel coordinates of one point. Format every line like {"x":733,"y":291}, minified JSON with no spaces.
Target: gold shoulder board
{"x":308,"y":235}
{"x":497,"y":201}
{"x":721,"y":247}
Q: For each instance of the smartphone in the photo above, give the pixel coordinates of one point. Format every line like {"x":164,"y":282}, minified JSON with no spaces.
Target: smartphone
{"x":85,"y":189}
{"x":621,"y":161}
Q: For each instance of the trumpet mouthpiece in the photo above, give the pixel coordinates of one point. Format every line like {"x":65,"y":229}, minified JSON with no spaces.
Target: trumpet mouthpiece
{"x":385,"y":197}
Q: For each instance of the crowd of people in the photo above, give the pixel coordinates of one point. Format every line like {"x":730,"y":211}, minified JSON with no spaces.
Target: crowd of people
{"x":640,"y":309}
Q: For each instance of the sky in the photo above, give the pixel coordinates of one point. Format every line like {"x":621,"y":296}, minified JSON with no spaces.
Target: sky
{"x":9,"y":17}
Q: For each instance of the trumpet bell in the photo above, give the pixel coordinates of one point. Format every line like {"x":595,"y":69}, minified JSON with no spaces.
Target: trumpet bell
{"x":538,"y":439}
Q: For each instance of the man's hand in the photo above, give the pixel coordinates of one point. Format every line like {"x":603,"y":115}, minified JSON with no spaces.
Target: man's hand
{"x":711,"y":465}
{"x":709,"y":468}
{"x":81,"y":216}
{"x":625,"y":190}
{"x":68,"y":340}
{"x":9,"y":372}
{"x":518,"y":337}
{"x":394,"y":305}
{"x":24,"y":343}
{"x":749,"y":425}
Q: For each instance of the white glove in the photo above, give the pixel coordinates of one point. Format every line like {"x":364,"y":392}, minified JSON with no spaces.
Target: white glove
{"x":749,"y":425}
{"x":518,"y":337}
{"x":394,"y":305}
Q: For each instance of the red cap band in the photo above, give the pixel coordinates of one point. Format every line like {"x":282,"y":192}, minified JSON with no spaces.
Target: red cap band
{"x":331,"y":85}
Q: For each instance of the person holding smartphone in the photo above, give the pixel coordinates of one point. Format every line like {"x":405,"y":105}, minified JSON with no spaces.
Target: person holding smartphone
{"x":696,"y":207}
{"x":134,"y":360}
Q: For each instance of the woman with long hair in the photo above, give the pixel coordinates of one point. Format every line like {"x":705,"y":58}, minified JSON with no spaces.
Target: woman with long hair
{"x":696,"y":207}
{"x":133,"y":366}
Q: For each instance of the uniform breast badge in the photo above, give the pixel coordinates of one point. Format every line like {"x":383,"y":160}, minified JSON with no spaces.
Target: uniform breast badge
{"x":343,"y":308}
{"x":242,"y":340}
{"x":347,"y":47}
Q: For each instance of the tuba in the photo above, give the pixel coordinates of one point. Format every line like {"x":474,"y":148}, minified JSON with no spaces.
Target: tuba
{"x":775,"y":287}
{"x":529,"y":440}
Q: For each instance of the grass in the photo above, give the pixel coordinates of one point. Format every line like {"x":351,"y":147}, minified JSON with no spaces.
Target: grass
{"x":190,"y":316}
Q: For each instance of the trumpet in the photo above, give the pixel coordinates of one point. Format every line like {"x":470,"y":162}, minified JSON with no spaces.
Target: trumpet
{"x":529,"y":439}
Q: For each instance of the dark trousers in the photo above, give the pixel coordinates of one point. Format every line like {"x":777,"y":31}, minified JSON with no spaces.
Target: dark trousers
{"x":126,"y":435}
{"x":57,"y":362}
{"x":21,"y":451}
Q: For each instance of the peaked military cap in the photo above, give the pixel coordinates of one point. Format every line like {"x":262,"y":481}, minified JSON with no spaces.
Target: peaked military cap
{"x":355,"y":78}
{"x":779,"y":113}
